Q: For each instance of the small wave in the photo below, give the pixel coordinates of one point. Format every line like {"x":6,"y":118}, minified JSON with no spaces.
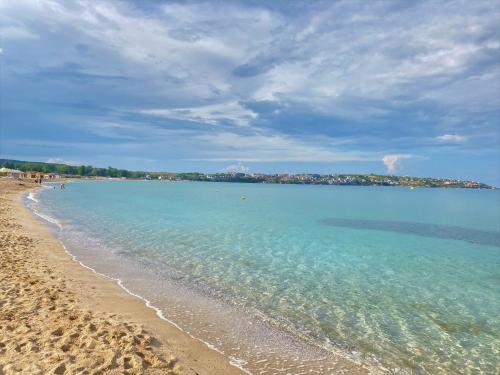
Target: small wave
{"x":236,"y":362}
{"x":48,"y":218}
{"x":31,"y":196}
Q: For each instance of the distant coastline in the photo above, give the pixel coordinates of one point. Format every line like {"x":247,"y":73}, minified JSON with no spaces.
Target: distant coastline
{"x":56,"y":171}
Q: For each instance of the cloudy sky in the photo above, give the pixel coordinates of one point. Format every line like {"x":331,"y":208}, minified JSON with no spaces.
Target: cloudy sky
{"x":400,"y":87}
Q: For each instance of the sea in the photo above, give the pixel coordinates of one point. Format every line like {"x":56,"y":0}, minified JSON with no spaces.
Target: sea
{"x":289,"y":278}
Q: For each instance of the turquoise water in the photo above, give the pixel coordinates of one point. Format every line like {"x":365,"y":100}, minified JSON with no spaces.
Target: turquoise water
{"x":405,"y":279}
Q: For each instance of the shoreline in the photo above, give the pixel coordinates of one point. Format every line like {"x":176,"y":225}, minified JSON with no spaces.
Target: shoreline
{"x":126,"y":335}
{"x":147,"y":303}
{"x":339,"y":361}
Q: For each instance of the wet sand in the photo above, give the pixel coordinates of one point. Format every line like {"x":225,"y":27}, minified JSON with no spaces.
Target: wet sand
{"x":59,"y":317}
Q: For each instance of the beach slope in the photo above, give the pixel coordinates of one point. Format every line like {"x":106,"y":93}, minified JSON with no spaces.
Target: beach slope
{"x":59,"y":317}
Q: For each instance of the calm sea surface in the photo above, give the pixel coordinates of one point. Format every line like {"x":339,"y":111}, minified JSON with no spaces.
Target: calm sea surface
{"x":403,"y":279}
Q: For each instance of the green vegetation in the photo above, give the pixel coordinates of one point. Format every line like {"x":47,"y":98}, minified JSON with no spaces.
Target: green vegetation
{"x":69,"y":170}
{"x":305,"y":179}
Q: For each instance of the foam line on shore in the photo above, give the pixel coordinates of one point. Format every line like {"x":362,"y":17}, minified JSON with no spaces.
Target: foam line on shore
{"x":31,"y":196}
{"x":236,"y":362}
{"x":233,"y":361}
{"x":48,"y":218}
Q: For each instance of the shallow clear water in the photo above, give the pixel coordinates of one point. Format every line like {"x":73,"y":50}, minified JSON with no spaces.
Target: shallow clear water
{"x":408,"y":279}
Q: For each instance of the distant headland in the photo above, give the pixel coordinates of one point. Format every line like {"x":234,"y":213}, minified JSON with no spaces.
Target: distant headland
{"x":30,"y":169}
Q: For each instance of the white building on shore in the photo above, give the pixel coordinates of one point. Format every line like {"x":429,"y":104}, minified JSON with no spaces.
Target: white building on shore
{"x":7,"y":172}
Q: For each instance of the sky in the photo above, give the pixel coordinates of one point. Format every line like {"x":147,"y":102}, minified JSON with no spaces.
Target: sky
{"x":392,"y":87}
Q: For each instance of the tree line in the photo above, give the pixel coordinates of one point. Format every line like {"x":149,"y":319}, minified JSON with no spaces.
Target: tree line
{"x":70,"y":170}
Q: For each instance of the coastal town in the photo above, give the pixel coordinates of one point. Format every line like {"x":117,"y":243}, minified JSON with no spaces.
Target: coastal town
{"x":51,"y":171}
{"x":332,"y":179}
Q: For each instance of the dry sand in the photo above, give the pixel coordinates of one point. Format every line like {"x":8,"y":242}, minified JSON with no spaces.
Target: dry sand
{"x":58,"y":317}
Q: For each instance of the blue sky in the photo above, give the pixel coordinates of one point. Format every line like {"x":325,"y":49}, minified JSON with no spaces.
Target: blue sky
{"x":400,"y":87}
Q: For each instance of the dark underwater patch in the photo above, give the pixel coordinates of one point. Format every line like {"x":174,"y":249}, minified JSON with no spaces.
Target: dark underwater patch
{"x":476,"y":236}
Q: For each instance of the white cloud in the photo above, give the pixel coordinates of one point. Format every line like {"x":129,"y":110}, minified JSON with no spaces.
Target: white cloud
{"x":405,"y":57}
{"x":272,"y":147}
{"x":323,"y":59}
{"x":236,"y":168}
{"x":451,"y":138}
{"x":16,"y":32}
{"x":63,"y":161}
{"x":359,"y":61}
{"x":194,"y":46}
{"x":392,"y":161}
{"x":229,"y":112}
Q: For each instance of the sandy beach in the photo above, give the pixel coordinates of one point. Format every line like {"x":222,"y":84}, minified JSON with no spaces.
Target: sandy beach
{"x":59,"y":317}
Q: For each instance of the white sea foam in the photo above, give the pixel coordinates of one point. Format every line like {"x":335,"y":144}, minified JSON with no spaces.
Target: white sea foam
{"x":48,"y":218}
{"x":31,"y":196}
{"x":235,"y":362}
